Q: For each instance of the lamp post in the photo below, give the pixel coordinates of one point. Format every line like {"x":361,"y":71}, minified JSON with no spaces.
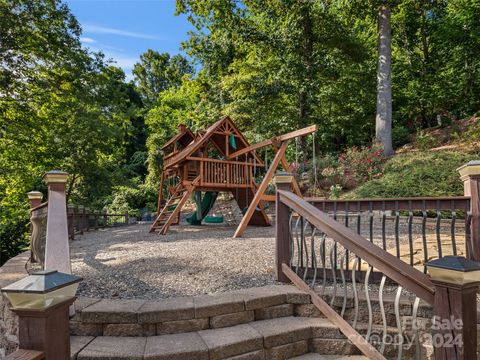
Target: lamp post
{"x":42,"y":301}
{"x":456,"y":280}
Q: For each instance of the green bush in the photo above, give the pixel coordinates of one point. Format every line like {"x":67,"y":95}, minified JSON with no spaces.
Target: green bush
{"x":425,"y":141}
{"x":132,"y":199}
{"x":13,"y":238}
{"x":429,"y":173}
{"x":400,"y":136}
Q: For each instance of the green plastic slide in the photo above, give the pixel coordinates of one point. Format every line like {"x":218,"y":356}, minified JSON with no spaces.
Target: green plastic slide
{"x":203,"y":206}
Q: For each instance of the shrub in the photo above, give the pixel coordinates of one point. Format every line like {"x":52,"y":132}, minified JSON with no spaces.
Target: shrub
{"x":400,"y":136}
{"x":132,"y":199}
{"x":425,"y":141}
{"x":429,"y":173}
{"x":13,"y":238}
{"x":363,"y":163}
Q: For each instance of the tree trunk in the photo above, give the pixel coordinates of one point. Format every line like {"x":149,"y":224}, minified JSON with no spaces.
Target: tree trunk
{"x":383,"y":121}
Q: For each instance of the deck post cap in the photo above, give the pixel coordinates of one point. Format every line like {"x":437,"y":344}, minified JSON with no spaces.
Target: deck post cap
{"x":455,"y":270}
{"x":35,"y":195}
{"x":55,"y":177}
{"x":283,"y":177}
{"x":469,"y":169}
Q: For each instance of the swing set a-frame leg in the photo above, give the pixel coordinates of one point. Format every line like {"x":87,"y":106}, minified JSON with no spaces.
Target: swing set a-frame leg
{"x":261,"y":189}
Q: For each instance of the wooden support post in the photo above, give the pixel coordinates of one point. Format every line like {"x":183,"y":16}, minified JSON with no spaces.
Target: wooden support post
{"x":95,"y":219}
{"x":261,"y":189}
{"x":105,"y":218}
{"x":470,"y":175}
{"x":282,"y":232}
{"x":87,"y":219}
{"x":71,"y":221}
{"x":46,"y":330}
{"x":454,"y":328}
{"x":81,"y":222}
{"x":126,"y":218}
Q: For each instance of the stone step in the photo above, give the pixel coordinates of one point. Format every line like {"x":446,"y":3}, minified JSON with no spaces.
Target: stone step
{"x":314,"y":356}
{"x":280,"y":338}
{"x":95,"y":317}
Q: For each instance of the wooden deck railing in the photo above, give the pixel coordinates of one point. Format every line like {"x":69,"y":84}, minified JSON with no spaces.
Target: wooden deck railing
{"x":79,"y":220}
{"x":336,"y":264}
{"x":415,"y":229}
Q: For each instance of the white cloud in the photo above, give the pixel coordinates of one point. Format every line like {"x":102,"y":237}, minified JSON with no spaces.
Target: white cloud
{"x":87,"y":40}
{"x":95,"y":29}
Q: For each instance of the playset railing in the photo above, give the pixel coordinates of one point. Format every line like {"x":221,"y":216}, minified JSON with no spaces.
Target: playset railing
{"x":360,"y":260}
{"x":224,"y":173}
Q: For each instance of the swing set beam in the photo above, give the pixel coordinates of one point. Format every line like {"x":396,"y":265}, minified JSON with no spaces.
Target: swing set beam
{"x":276,"y":141}
{"x":279,"y":144}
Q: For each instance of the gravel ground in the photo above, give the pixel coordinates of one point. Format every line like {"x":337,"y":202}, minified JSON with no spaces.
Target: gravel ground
{"x":129,"y":262}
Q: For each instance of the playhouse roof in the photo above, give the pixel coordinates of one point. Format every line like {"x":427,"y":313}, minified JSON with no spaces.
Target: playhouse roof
{"x":216,"y":133}
{"x":185,"y":137}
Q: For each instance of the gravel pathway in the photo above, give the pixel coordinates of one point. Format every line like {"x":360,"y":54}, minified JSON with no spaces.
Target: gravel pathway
{"x":129,"y":262}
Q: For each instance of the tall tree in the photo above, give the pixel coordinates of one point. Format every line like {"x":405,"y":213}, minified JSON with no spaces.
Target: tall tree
{"x":157,"y":72}
{"x":383,"y":120}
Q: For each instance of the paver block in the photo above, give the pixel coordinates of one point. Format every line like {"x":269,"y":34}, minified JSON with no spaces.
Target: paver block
{"x":273,"y":312}
{"x":80,"y":304}
{"x":231,"y":341}
{"x":307,"y":310}
{"x":176,"y":347}
{"x":256,"y":298}
{"x":254,"y":355}
{"x":113,"y":348}
{"x":129,"y":329}
{"x":167,"y":310}
{"x":77,"y":343}
{"x":113,"y":311}
{"x":181,"y":326}
{"x":324,"y":328}
{"x":80,"y":328}
{"x":281,"y":331}
{"x":287,"y":351}
{"x":218,"y":304}
{"x":225,"y":320}
{"x":333,"y":347}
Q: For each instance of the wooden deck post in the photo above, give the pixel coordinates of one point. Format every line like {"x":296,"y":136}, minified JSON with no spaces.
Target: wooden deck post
{"x":57,"y":251}
{"x":454,"y":328}
{"x":71,"y":221}
{"x":282,"y":228}
{"x":470,"y":175}
{"x":35,"y":198}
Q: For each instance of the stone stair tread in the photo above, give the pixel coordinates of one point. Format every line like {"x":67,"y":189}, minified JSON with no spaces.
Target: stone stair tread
{"x":211,"y":344}
{"x":315,"y":356}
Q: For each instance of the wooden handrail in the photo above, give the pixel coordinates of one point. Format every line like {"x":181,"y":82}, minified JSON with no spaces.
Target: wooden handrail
{"x":42,"y":205}
{"x":394,"y":268}
{"x":411,"y":203}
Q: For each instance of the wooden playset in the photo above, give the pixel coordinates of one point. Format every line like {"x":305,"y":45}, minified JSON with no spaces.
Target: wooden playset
{"x":213,"y":160}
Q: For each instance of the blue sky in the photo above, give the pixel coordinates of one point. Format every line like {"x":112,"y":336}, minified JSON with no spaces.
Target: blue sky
{"x":124,"y":29}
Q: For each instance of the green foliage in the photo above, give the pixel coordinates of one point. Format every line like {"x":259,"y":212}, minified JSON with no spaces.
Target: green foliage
{"x":363,"y":163}
{"x":427,"y":173}
{"x":425,"y":141}
{"x":158,"y":72}
{"x":400,"y":136}
{"x":61,"y":107}
{"x":131,"y":199}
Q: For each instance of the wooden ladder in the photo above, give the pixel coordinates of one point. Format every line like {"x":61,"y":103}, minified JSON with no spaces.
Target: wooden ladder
{"x":170,"y":215}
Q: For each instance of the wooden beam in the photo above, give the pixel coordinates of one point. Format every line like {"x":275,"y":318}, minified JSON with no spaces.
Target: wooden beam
{"x":261,"y":190}
{"x":285,"y":165}
{"x":272,"y":141}
{"x":358,"y":340}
